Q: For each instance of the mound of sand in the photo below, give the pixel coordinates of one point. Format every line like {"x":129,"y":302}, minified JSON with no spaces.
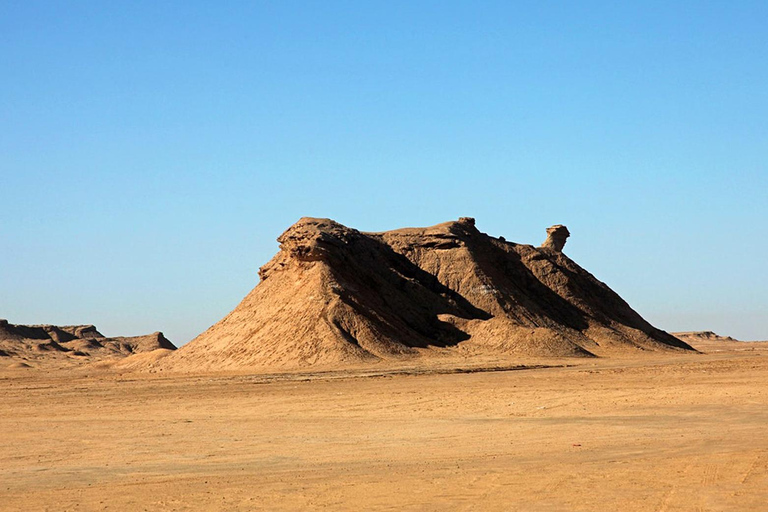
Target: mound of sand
{"x":138,"y":361}
{"x":46,"y":345}
{"x":18,"y":365}
{"x":335,"y":295}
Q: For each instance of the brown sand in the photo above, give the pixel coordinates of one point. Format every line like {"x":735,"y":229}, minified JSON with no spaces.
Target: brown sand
{"x":666,"y":432}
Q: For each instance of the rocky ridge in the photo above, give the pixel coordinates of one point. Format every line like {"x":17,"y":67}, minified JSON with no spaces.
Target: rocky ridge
{"x":46,"y":345}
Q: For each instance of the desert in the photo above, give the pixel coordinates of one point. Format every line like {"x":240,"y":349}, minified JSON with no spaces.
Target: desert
{"x":383,"y":256}
{"x":417,"y":369}
{"x":682,"y":432}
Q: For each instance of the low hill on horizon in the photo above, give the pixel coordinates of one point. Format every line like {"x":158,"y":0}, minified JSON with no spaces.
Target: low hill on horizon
{"x":701,"y":336}
{"x":709,"y":341}
{"x":49,"y":345}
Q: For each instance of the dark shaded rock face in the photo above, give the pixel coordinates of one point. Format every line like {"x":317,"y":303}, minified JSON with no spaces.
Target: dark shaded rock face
{"x":334,"y":295}
{"x":556,"y":237}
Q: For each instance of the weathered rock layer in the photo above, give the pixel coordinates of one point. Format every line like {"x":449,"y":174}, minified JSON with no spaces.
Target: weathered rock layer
{"x":47,"y":345}
{"x":333,"y":294}
{"x":556,"y":237}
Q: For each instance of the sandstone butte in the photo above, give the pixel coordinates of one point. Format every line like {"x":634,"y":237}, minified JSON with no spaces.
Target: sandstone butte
{"x":334,"y":295}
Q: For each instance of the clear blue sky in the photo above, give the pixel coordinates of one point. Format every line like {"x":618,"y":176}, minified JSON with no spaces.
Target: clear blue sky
{"x":151,"y":152}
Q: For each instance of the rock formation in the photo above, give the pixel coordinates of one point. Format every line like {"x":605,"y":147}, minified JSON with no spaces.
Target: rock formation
{"x":708,"y":341}
{"x":556,"y":237}
{"x":689,"y":336}
{"x":47,"y":345}
{"x":335,"y":295}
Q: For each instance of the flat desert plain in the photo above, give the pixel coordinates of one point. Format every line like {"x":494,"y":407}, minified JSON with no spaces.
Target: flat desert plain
{"x":664,"y":432}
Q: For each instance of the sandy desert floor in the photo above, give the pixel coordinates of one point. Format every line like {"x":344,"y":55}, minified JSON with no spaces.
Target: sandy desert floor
{"x":679,"y":432}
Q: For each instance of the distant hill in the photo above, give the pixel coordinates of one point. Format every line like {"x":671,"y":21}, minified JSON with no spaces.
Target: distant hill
{"x":48,"y":345}
{"x":699,"y":336}
{"x":708,"y":341}
{"x":334,"y":295}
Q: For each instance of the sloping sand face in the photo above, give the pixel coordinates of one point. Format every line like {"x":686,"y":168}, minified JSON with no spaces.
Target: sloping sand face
{"x":665,"y":432}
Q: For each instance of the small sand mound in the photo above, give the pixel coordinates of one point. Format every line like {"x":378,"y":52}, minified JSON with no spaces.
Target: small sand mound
{"x":141,"y":360}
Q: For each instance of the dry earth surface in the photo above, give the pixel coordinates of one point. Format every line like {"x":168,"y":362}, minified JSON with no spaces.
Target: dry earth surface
{"x":663,"y":432}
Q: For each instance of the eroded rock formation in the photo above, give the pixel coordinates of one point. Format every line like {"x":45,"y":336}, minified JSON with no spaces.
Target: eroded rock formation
{"x":50,"y":344}
{"x":556,"y":237}
{"x":335,"y":295}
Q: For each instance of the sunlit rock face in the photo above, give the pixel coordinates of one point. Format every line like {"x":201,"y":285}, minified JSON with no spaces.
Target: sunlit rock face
{"x":556,"y":237}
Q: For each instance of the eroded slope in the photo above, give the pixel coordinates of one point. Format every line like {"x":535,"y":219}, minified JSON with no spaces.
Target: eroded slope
{"x":336,"y":295}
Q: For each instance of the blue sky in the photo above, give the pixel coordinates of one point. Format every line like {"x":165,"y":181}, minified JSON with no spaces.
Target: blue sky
{"x":151,"y":152}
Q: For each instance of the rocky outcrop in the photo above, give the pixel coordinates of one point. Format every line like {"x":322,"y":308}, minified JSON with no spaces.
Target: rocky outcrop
{"x":335,"y":295}
{"x":143,"y":343}
{"x":556,"y":237}
{"x":702,"y":336}
{"x":46,"y":345}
